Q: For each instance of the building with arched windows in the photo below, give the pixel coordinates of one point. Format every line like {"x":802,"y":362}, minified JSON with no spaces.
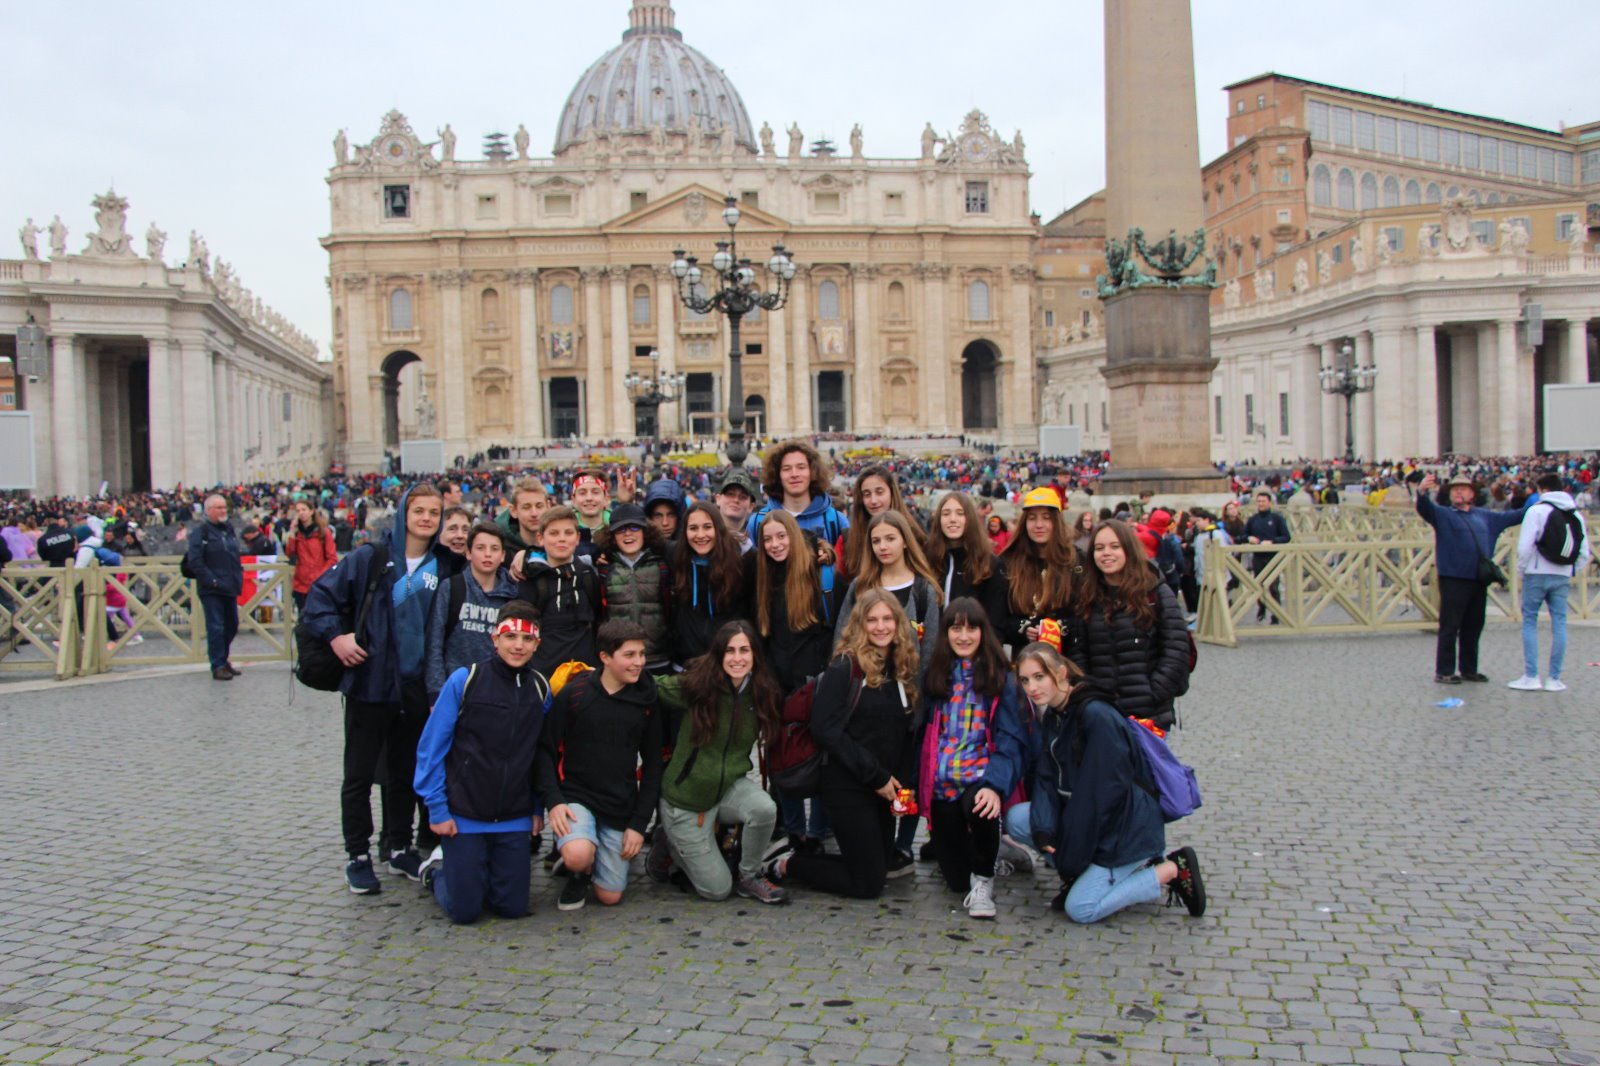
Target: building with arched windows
{"x":519,"y":291}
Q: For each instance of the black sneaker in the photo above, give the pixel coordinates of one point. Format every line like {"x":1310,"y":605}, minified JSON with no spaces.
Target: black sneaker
{"x":926,"y":852}
{"x":407,"y":864}
{"x":1058,"y":902}
{"x":900,"y":864}
{"x":658,"y":860}
{"x":1446,"y":679}
{"x":776,"y":864}
{"x":574,"y":894}
{"x":222,"y":673}
{"x":431,"y":867}
{"x":1188,"y":887}
{"x":359,"y":876}
{"x":1478,"y":678}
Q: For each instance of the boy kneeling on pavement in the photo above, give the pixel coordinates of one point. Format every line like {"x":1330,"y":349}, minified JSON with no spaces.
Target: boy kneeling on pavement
{"x":475,"y":772}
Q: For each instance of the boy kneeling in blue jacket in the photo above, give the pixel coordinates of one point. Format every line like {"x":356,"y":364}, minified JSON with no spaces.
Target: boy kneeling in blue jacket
{"x":475,"y":773}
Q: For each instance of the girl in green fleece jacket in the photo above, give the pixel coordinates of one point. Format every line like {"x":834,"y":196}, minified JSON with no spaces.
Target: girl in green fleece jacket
{"x":722,"y":703}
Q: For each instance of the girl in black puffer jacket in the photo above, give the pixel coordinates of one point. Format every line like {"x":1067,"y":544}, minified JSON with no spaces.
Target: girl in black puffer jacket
{"x":1129,"y":633}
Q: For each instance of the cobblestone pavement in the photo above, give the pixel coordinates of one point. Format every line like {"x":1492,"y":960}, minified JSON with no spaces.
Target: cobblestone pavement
{"x":1390,"y":883}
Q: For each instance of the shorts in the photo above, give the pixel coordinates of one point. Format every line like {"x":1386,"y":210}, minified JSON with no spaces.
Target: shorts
{"x":610,"y":868}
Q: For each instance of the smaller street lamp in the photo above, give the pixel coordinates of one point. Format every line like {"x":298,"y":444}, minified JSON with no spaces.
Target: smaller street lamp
{"x":1348,"y":380}
{"x":653,"y":391}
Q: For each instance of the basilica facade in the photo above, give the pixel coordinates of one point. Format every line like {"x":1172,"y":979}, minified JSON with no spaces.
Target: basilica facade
{"x":505,"y":300}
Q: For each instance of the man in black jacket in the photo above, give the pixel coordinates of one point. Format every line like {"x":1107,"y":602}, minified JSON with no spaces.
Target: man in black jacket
{"x":213,"y":556}
{"x":1266,"y":526}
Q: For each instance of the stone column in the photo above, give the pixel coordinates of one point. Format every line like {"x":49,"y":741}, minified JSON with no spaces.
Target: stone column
{"x":1307,"y":434}
{"x":799,"y":312}
{"x":935,"y":356}
{"x":66,"y":428}
{"x":1467,"y":399}
{"x":1019,"y":415}
{"x":864,"y":348}
{"x":530,"y":392}
{"x":363,"y":417}
{"x":1506,"y":359}
{"x":622,"y":423}
{"x":233,"y":412}
{"x":1575,"y":353}
{"x":454,"y":385}
{"x":669,"y":415}
{"x":1389,"y":392}
{"x":1366,"y":443}
{"x":1422,"y":434}
{"x":1327,"y":354}
{"x":1486,"y":347}
{"x":200,"y":443}
{"x":596,"y":421}
{"x":163,"y":416}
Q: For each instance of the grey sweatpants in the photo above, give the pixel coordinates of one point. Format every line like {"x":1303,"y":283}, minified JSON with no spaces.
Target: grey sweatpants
{"x":692,"y":835}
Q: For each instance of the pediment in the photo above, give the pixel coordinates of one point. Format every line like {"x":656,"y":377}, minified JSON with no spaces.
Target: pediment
{"x":827,"y":180}
{"x":693,"y":208}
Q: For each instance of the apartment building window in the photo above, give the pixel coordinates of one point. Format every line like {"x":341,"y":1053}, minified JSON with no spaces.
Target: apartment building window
{"x":1432,"y":196}
{"x":828,"y":301}
{"x":1547,"y":164}
{"x":1347,"y":190}
{"x":1483,"y":232}
{"x":1049,"y":319}
{"x":1564,"y":225}
{"x":1413,"y":192}
{"x":1343,"y":131}
{"x":400,"y":310}
{"x":1491,"y":154}
{"x":1469,"y":150}
{"x":1317,"y":120}
{"x":1391,"y":191}
{"x":1338,"y":254}
{"x":1408,"y":139}
{"x":1395,"y":237}
{"x":1430,"y":143}
{"x":561,"y":305}
{"x":977,"y":198}
{"x":978,"y":301}
{"x":641,"y":305}
{"x":1590,"y":166}
{"x":1366,"y":131}
{"x":1369,"y":192}
{"x":1388,"y":135}
{"x":1322,"y":186}
{"x":1449,"y":147}
{"x":1530,"y":161}
{"x":1261,"y":101}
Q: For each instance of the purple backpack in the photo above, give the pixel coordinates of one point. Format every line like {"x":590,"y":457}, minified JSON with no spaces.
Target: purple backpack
{"x":1173,"y":782}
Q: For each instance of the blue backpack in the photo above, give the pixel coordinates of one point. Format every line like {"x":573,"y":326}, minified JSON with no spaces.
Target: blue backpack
{"x":1173,"y":783}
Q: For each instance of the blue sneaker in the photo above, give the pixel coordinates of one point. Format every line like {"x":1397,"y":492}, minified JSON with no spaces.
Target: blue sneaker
{"x":359,"y":875}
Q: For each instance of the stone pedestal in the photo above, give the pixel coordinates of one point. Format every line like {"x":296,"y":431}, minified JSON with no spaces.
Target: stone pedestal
{"x":1158,"y":371}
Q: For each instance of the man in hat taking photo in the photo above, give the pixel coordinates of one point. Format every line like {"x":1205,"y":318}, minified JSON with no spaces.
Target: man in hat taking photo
{"x":1464,"y":537}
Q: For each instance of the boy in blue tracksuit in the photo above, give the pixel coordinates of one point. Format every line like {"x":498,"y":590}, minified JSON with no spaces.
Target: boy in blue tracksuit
{"x":475,"y":774}
{"x":385,"y":697}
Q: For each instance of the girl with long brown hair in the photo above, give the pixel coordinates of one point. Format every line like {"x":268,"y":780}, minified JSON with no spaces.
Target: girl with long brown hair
{"x":962,"y":557}
{"x":876,"y":491}
{"x":865,"y":718}
{"x":707,"y":578}
{"x":1042,"y":569}
{"x":723,"y":703}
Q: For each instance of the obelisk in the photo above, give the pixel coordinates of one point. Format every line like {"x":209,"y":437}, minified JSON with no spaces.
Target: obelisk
{"x":1157,"y":288}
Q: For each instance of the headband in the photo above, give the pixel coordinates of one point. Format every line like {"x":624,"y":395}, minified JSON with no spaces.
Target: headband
{"x":583,"y":479}
{"x":517,"y":625}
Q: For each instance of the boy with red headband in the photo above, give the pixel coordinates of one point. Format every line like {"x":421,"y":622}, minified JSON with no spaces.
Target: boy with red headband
{"x":475,"y":773}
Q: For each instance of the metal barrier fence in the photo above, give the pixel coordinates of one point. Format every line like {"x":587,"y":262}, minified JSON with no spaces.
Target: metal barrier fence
{"x":40,"y":628}
{"x":1357,"y":586}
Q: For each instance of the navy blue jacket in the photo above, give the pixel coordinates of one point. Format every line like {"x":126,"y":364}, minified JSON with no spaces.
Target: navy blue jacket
{"x":334,"y":600}
{"x":1460,"y":537}
{"x":1015,"y":743}
{"x":213,"y":555}
{"x":1088,"y":802}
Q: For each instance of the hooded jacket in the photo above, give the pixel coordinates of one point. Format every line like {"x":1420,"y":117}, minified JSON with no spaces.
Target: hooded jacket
{"x":568,"y":599}
{"x":820,"y":518}
{"x":469,"y":637}
{"x":795,"y":655}
{"x":1529,"y":561}
{"x":696,"y":779}
{"x":696,"y":620}
{"x":668,"y":491}
{"x":1089,"y":799}
{"x":603,"y":750}
{"x":335,"y":599}
{"x":313,"y":551}
{"x":1146,"y":668}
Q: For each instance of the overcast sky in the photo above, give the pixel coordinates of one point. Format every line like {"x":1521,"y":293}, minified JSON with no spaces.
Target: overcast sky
{"x":219,"y":116}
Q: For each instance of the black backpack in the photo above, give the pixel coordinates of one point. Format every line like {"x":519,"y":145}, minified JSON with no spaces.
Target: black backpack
{"x":316,"y":666}
{"x":1561,"y":541}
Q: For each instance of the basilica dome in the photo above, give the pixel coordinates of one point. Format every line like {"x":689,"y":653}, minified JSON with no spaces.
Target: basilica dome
{"x":653,"y":79}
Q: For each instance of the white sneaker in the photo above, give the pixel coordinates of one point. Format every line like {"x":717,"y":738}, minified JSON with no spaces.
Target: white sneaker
{"x":980,"y":901}
{"x":137,"y":638}
{"x":1526,"y":684}
{"x":1555,"y":684}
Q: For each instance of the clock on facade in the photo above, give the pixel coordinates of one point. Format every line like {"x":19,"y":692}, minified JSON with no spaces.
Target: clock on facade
{"x":394,"y":149}
{"x":976,"y":147}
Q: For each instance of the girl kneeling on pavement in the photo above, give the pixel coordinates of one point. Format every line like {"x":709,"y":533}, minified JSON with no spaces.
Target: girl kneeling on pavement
{"x":1094,"y":805}
{"x":865,"y":719}
{"x":972,"y":703}
{"x":725,"y":700}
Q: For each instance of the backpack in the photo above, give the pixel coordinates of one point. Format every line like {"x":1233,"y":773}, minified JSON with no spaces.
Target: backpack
{"x":1561,"y":541}
{"x":827,"y":593}
{"x":456,"y":596}
{"x":316,"y":666}
{"x":794,"y":762}
{"x":831,"y":528}
{"x":1172,"y":782}
{"x":566,"y":672}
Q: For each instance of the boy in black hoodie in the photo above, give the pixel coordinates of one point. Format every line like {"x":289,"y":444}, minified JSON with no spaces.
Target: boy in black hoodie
{"x":602,"y":726}
{"x":565,"y":589}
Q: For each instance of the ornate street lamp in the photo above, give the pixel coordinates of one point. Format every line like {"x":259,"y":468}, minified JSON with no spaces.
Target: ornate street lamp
{"x":1348,"y":380}
{"x":737,"y":296}
{"x":655,"y":390}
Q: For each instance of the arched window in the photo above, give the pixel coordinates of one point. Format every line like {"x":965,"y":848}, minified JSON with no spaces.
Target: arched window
{"x":489,"y":309}
{"x":1391,"y":191}
{"x":1453,"y":192}
{"x":561,"y":305}
{"x":1347,"y":190}
{"x":400,"y":309}
{"x":828,"y":301}
{"x":1322,"y":187}
{"x":641,"y":305}
{"x":1433,"y":192}
{"x":897,"y":301}
{"x":1369,"y":192}
{"x":1413,"y":192}
{"x":1494,"y":198}
{"x":978,"y":301}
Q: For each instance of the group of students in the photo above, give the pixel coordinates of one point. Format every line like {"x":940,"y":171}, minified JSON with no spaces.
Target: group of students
{"x":608,"y":668}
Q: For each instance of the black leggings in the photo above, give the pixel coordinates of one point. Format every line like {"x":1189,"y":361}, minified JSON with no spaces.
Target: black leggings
{"x":964,"y":842}
{"x":864,"y":830}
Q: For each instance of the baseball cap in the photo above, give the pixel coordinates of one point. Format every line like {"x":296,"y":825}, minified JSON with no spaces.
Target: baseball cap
{"x":738,"y":477}
{"x":625,"y":515}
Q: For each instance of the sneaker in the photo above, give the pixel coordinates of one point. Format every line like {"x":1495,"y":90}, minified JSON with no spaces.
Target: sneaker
{"x":1555,"y":684}
{"x":1188,"y":887}
{"x":137,"y":638}
{"x":1017,"y":858}
{"x":781,"y":845}
{"x":761,"y":890}
{"x":926,"y":852}
{"x":1478,"y":678}
{"x":359,"y":876}
{"x":574,"y":894}
{"x":1058,"y":902}
{"x":1526,"y":683}
{"x":222,"y":673}
{"x":900,"y":864}
{"x":431,"y":867}
{"x":980,"y":901}
{"x":658,"y":861}
{"x":776,"y":865}
{"x":1446,"y":679}
{"x":407,"y":864}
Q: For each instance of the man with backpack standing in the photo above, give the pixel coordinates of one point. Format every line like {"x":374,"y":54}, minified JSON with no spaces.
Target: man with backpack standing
{"x":213,"y":559}
{"x":1552,"y":548}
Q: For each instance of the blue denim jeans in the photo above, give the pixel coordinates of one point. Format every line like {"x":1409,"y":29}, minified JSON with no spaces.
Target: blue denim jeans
{"x":484,"y":871}
{"x":1016,"y":822}
{"x":222,"y":625}
{"x":1537,"y":591}
{"x":1100,"y":892}
{"x":794,"y":819}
